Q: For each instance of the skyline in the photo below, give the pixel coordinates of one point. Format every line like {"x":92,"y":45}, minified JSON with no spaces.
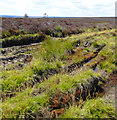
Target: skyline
{"x":68,"y":8}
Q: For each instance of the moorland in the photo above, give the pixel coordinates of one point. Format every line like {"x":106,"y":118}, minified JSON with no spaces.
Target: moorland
{"x":58,"y":68}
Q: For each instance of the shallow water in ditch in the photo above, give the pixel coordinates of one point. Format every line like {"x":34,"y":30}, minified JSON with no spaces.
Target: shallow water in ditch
{"x":96,"y":69}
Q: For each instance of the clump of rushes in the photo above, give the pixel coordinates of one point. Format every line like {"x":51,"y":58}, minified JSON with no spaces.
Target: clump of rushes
{"x":54,"y":49}
{"x":23,"y":40}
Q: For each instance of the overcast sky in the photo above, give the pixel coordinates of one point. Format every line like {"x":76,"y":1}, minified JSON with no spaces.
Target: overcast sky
{"x":63,"y":8}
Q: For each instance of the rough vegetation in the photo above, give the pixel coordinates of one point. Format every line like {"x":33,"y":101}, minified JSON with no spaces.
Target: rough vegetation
{"x":22,"y":40}
{"x":58,"y":77}
{"x":55,"y":27}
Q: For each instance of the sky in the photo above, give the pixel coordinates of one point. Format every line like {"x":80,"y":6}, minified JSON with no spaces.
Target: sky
{"x":62,"y":8}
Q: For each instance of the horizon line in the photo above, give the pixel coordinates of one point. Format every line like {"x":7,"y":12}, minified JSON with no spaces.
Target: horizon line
{"x":22,"y":16}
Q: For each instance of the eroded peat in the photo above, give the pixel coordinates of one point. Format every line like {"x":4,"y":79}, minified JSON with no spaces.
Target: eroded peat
{"x":58,"y":75}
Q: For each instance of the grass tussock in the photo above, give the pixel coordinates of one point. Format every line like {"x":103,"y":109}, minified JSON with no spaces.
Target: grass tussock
{"x":95,"y":108}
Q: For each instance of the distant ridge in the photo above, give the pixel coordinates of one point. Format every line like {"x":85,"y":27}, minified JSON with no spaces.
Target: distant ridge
{"x":15,"y":16}
{"x":10,"y":16}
